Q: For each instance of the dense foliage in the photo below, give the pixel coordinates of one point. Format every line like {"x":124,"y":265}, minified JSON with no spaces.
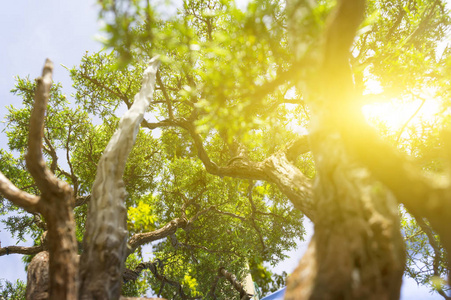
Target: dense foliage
{"x":230,"y":92}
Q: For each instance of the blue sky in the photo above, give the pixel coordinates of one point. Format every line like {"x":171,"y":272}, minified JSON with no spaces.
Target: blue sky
{"x":30,"y":32}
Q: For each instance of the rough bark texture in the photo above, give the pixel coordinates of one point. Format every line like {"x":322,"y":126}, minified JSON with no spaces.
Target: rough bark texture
{"x":102,"y":261}
{"x":21,"y":250}
{"x":38,"y":277}
{"x":55,"y":204}
{"x":277,"y":168}
{"x":357,"y":249}
{"x":424,"y":197}
{"x":140,"y":239}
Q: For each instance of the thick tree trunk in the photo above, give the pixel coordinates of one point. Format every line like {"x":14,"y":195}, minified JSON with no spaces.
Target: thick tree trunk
{"x":38,"y":277}
{"x":62,"y":245}
{"x":357,"y":249}
{"x":105,"y":241}
{"x":56,"y":202}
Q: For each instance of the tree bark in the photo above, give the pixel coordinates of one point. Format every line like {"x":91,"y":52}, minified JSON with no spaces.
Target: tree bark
{"x":38,"y":277}
{"x":357,"y":249}
{"x":277,"y":168}
{"x":105,"y":240}
{"x":56,"y":201}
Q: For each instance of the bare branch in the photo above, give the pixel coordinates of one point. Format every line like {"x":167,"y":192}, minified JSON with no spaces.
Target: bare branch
{"x":176,"y":244}
{"x":200,"y":213}
{"x":38,"y":221}
{"x":51,"y":151}
{"x":99,"y":84}
{"x":166,"y":96}
{"x":437,"y":253}
{"x":80,"y":200}
{"x":152,"y":266}
{"x":20,"y":198}
{"x":297,"y":147}
{"x":21,"y":250}
{"x":423,"y":101}
{"x":140,"y":239}
{"x":235,"y":283}
{"x":72,"y":173}
{"x":252,"y":217}
{"x":43,"y":177}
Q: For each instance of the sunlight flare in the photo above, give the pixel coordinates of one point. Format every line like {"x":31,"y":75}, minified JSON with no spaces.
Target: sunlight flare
{"x":398,"y":112}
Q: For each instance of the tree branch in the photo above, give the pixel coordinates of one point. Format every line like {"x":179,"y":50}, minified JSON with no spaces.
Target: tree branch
{"x":166,"y":96}
{"x":80,"y":200}
{"x":51,"y":151}
{"x":43,"y":177}
{"x":98,"y":84}
{"x":422,"y":196}
{"x":437,"y":253}
{"x":423,"y":101}
{"x":152,"y":266}
{"x":226,"y":213}
{"x":20,"y":198}
{"x":140,"y":239}
{"x":276,"y":169}
{"x":72,"y":173}
{"x":176,"y":244}
{"x":235,"y":283}
{"x":21,"y":250}
{"x":57,"y":200}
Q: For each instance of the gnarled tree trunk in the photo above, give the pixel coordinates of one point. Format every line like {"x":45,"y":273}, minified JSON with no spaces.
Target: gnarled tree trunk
{"x":105,"y":240}
{"x":357,"y":248}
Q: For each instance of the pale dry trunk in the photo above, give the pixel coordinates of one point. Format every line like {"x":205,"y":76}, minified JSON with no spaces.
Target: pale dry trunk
{"x":105,"y":240}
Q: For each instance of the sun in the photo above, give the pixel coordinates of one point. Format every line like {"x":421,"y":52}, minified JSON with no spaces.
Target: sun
{"x":396,"y":113}
{"x":399,"y":112}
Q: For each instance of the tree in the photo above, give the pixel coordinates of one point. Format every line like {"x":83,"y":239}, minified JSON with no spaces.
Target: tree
{"x":223,"y":160}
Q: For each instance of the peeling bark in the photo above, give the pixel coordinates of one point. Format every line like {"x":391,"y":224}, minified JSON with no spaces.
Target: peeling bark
{"x":105,"y":244}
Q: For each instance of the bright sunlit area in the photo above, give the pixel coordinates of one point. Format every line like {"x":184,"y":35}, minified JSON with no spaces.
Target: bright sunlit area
{"x":397,"y":113}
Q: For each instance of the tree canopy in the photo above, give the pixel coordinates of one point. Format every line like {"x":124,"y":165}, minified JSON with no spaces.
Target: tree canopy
{"x":254,"y":122}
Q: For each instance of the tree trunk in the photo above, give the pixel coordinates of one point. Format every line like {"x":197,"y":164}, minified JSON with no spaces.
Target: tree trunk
{"x":105,"y":240}
{"x":62,"y":245}
{"x":38,"y":277}
{"x":357,"y":249}
{"x":56,"y":202}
